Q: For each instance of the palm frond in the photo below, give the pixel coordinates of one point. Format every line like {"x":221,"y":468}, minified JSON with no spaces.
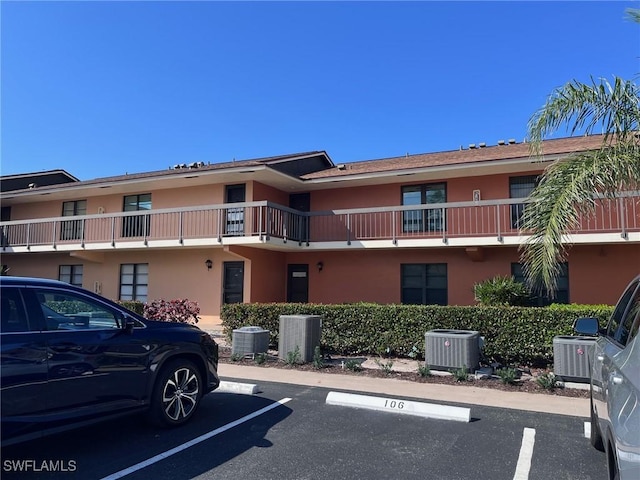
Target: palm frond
{"x":612,"y":107}
{"x":633,"y":14}
{"x":565,"y":194}
{"x":567,"y":188}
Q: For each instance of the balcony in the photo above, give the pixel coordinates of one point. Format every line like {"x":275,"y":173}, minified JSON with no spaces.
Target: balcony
{"x":268,"y":225}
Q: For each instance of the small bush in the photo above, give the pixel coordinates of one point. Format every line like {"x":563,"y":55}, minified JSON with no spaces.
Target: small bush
{"x":501,"y":291}
{"x":508,"y":376}
{"x":353,"y":365}
{"x":236,"y":357}
{"x":318,"y":361}
{"x":179,"y":310}
{"x":460,"y":374}
{"x":386,"y":367}
{"x":424,"y":371}
{"x":260,"y":358}
{"x":547,"y":380}
{"x":294,"y":357}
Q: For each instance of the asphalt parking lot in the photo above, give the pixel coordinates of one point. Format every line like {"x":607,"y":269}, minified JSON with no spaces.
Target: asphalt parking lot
{"x":301,"y":437}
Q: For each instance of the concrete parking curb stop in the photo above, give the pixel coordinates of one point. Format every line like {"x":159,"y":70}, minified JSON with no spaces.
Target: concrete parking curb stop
{"x":404,"y":407}
{"x":240,"y":388}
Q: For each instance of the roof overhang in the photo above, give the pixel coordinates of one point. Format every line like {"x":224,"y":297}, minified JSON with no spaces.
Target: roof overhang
{"x":438,"y":172}
{"x":189,"y":178}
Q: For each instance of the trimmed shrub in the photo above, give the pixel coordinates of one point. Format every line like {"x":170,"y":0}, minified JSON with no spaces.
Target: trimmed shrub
{"x":513,"y":335}
{"x":134,"y":305}
{"x":179,"y":310}
{"x":501,"y":291}
{"x":67,"y":307}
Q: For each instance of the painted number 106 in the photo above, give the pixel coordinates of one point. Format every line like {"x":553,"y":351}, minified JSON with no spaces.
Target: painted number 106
{"x":394,"y":404}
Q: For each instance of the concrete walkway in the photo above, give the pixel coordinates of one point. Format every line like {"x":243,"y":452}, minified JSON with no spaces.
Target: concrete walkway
{"x":401,"y":388}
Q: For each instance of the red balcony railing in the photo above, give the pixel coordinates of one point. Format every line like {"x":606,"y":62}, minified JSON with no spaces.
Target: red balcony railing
{"x":216,"y":224}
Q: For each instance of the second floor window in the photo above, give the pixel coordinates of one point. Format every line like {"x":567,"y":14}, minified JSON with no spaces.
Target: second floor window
{"x":136,"y":225}
{"x":424,"y":220}
{"x":235,"y":216}
{"x":72,"y":229}
{"x":520,"y":187}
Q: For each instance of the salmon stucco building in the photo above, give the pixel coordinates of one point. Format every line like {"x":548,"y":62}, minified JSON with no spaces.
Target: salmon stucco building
{"x":299,"y":228}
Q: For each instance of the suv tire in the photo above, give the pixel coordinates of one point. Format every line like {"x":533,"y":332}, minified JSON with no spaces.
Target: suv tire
{"x":176,"y":394}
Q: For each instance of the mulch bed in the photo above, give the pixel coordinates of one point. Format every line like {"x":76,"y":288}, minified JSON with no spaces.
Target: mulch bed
{"x":526,"y":384}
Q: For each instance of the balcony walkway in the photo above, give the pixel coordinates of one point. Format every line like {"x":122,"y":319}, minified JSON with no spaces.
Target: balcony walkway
{"x":272,"y":226}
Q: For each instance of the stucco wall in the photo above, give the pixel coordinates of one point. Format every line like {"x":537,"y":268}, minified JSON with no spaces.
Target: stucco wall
{"x":374,"y":276}
{"x":266,"y":272}
{"x":164,"y":198}
{"x":492,"y":187}
{"x":599,"y":273}
{"x":172,"y":273}
{"x":596,"y":274}
{"x":458,"y":189}
{"x":265,"y":192}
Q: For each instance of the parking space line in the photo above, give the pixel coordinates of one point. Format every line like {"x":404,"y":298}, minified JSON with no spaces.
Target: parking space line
{"x":587,"y":429}
{"x":195,"y":441}
{"x":526,"y":453}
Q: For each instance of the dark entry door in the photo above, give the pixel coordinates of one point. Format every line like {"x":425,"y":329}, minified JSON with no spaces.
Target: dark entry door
{"x":233,"y":282}
{"x":299,"y":225}
{"x":298,"y":283}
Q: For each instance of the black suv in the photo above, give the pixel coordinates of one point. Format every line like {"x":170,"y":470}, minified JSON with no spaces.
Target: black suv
{"x":71,"y":357}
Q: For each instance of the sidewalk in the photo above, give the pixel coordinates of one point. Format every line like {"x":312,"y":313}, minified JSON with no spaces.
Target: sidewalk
{"x":389,"y":387}
{"x":398,"y":388}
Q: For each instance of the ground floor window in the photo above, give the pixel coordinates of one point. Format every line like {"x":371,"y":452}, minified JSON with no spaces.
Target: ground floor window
{"x":546,"y":298}
{"x":134,"y":281}
{"x":71,"y":274}
{"x":424,"y":283}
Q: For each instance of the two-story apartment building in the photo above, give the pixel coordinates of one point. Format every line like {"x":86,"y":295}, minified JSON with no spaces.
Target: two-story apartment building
{"x":413,"y":229}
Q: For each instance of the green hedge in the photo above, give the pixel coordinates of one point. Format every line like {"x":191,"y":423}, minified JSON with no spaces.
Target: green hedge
{"x":133,"y":305}
{"x":521,"y":335}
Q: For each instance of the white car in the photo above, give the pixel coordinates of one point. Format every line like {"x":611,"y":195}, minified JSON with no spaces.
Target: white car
{"x":615,"y":385}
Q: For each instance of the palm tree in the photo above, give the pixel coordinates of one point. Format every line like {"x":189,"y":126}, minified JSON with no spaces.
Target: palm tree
{"x":570,"y":187}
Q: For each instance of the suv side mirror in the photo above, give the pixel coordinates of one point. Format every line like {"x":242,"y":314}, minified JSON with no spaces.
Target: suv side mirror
{"x":587,"y":326}
{"x":127,"y":323}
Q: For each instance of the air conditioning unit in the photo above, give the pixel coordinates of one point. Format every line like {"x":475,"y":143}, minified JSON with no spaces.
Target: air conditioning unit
{"x":302,"y":331}
{"x":571,"y":357}
{"x":249,"y":341}
{"x":452,"y":349}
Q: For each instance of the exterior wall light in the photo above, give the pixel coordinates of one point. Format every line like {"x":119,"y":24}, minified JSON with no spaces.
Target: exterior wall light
{"x":209,"y":264}
{"x":320,"y":266}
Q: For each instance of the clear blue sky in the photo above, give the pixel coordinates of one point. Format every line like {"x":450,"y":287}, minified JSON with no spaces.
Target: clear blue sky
{"x":104,"y":88}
